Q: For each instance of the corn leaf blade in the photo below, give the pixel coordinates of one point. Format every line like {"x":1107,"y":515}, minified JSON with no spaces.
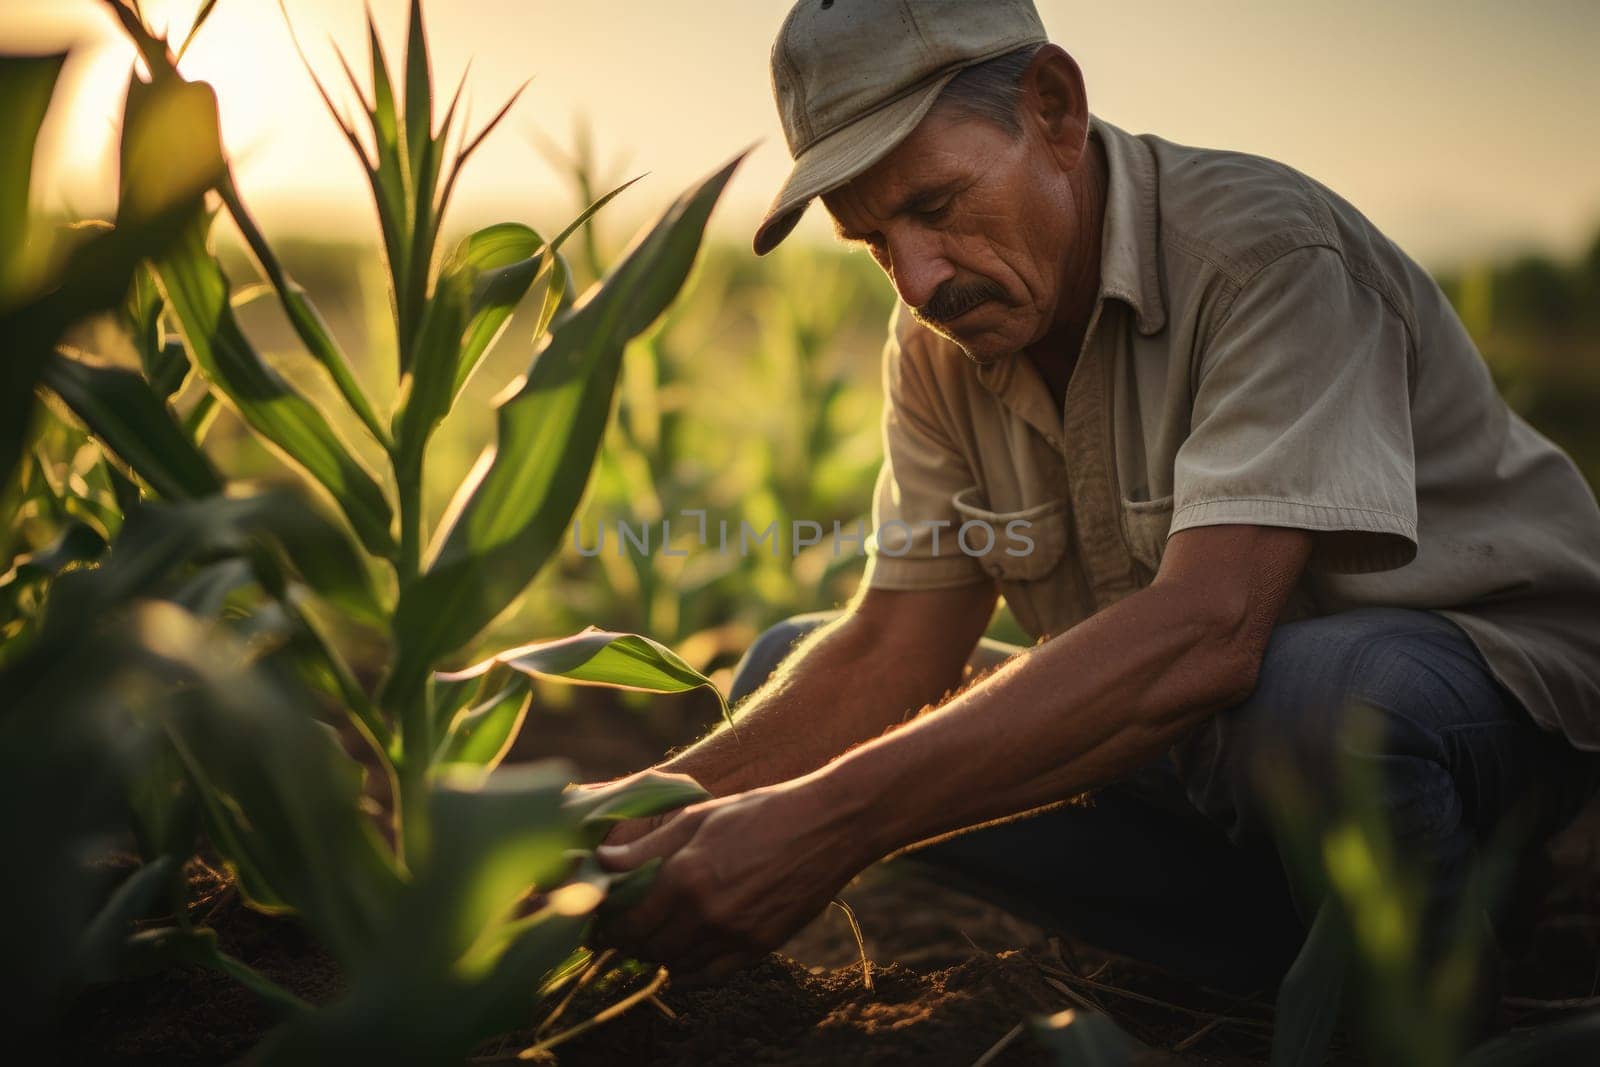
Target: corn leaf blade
{"x":510,"y":516}
{"x":26,"y":85}
{"x":597,"y":657}
{"x":197,"y":293}
{"x":482,"y":735}
{"x":486,"y":277}
{"x":1085,"y":1039}
{"x":638,"y":796}
{"x":120,"y":408}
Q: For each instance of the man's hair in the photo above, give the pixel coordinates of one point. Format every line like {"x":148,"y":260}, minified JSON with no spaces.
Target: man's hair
{"x":989,"y":91}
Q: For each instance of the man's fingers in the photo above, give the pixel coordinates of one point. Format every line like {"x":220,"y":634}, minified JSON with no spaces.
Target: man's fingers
{"x":634,"y":927}
{"x":659,"y":841}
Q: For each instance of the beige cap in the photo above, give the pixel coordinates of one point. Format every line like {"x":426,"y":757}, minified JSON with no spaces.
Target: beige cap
{"x":854,"y":77}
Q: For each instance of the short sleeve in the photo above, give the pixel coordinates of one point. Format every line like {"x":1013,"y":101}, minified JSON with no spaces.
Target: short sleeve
{"x":1302,"y":417}
{"x":914,"y":518}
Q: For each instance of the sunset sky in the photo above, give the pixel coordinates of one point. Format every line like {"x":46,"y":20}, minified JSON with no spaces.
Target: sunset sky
{"x":1462,"y":127}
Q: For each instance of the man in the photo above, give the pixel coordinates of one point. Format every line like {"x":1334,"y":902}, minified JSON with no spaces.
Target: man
{"x":1262,"y":476}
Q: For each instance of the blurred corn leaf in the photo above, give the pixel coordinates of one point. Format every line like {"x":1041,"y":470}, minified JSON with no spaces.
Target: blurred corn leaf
{"x":26,"y":85}
{"x":94,"y":275}
{"x":171,"y":142}
{"x":1573,"y":1041}
{"x":1086,"y":1039}
{"x":122,"y":410}
{"x":510,"y":516}
{"x":1312,"y":993}
{"x":279,"y":797}
{"x":459,"y":943}
{"x":164,"y":362}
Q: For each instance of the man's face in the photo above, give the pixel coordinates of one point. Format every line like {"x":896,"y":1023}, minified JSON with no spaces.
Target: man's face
{"x":973,"y":225}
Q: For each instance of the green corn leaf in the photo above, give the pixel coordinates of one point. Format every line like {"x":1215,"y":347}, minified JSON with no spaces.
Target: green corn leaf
{"x":455,"y":942}
{"x":482,"y":735}
{"x":492,"y":838}
{"x":162,"y":805}
{"x":627,"y":888}
{"x":638,"y":796}
{"x":385,"y":170}
{"x":101,"y":947}
{"x":478,"y":289}
{"x":423,"y":157}
{"x":512,"y":514}
{"x":385,"y":117}
{"x":598,"y":657}
{"x":197,"y":293}
{"x":507,"y":259}
{"x":558,"y":295}
{"x":199,"y":20}
{"x":205,"y":593}
{"x":170,"y":946}
{"x":276,"y":531}
{"x":1086,"y":1039}
{"x":26,"y":86}
{"x":127,"y":416}
{"x":1312,"y":991}
{"x":419,"y":90}
{"x":1575,"y":1040}
{"x":165,"y":363}
{"x":487,"y":994}
{"x":290,"y":796}
{"x":303,"y":316}
{"x":319,"y":551}
{"x":171,"y":144}
{"x":78,"y":542}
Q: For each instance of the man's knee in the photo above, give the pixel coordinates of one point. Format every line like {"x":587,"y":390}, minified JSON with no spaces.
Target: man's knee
{"x":770,"y":649}
{"x":1371,"y":690}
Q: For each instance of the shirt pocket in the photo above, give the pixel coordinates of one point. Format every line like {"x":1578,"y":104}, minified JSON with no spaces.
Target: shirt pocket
{"x":1145,"y":525}
{"x":1024,"y":557}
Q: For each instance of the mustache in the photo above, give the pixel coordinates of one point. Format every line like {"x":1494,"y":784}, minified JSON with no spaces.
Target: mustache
{"x":954,"y":299}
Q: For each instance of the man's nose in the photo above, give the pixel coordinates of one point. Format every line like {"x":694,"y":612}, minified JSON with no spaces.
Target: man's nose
{"x":918,"y":268}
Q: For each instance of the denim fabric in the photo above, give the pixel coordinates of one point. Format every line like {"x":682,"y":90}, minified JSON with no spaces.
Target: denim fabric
{"x":1178,"y":864}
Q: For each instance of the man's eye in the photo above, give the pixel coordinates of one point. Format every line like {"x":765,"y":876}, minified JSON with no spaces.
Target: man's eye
{"x":935,"y":212}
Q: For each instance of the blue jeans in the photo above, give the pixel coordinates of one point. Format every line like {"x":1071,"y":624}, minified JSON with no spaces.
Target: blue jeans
{"x":1178,"y":864}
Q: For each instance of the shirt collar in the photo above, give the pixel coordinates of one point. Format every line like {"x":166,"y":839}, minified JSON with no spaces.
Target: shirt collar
{"x":1129,"y":255}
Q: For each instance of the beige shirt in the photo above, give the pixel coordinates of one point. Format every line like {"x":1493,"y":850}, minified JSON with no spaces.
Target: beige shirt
{"x":1259,"y":353}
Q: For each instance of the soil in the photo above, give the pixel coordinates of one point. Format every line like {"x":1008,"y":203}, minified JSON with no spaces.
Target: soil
{"x":192,"y":1015}
{"x":952,"y":976}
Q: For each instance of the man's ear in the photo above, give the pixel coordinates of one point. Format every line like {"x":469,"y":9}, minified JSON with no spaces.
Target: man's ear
{"x":1055,"y":105}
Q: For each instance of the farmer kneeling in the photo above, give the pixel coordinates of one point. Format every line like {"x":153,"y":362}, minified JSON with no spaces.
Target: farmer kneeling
{"x":1221,"y":445}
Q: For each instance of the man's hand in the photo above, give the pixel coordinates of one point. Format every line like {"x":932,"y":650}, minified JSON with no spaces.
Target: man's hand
{"x":740,"y":875}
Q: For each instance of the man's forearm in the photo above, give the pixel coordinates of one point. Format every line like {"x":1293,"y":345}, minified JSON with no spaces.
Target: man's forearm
{"x":835,"y":691}
{"x":1081,"y":710}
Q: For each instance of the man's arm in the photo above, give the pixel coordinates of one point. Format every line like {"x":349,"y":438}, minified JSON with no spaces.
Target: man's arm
{"x":743,"y":872}
{"x":888,"y":655}
{"x":1089,"y":706}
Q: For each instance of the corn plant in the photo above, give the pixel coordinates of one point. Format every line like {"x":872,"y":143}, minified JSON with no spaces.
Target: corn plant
{"x":212,"y":609}
{"x":1376,"y":952}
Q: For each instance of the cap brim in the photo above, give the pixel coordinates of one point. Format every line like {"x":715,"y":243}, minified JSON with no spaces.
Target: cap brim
{"x":842,"y":156}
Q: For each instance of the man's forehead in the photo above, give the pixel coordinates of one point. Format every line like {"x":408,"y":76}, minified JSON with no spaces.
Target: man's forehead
{"x":895,"y":184}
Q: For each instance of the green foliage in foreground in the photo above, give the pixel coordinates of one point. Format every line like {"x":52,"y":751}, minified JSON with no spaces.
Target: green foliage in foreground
{"x":170,"y":663}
